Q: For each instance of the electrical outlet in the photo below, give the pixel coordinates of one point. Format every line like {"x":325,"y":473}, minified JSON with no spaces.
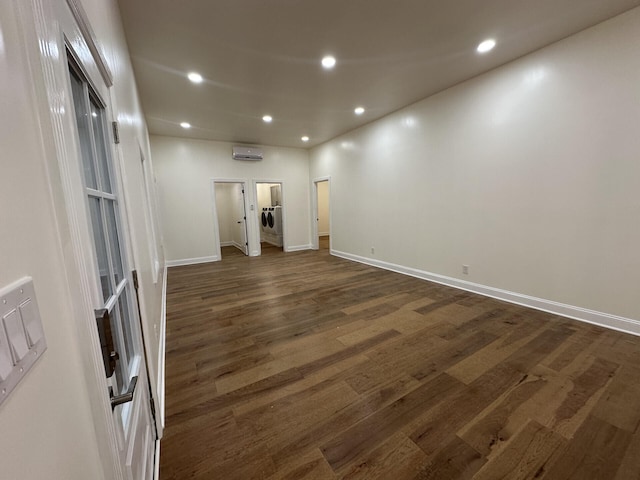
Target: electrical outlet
{"x":373,"y":250}
{"x":465,"y":269}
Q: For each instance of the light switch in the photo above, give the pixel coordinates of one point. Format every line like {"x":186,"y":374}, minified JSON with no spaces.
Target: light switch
{"x":22,"y":340}
{"x":16,"y":336}
{"x":31,"y":321}
{"x":6,"y":364}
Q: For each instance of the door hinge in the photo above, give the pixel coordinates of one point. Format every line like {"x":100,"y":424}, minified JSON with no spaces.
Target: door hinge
{"x":116,"y":132}
{"x":134,"y":274}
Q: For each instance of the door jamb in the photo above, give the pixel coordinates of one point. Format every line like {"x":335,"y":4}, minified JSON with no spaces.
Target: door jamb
{"x":315,"y":244}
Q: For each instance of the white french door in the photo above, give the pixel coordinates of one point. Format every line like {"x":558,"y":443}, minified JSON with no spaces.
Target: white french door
{"x":114,"y":301}
{"x":241,"y":215}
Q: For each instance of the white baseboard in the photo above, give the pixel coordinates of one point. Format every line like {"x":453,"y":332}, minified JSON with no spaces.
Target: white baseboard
{"x":614,"y":322}
{"x":191,"y":261}
{"x":298,"y":248}
{"x":323,"y":234}
{"x":226,"y":244}
{"x":238,"y":246}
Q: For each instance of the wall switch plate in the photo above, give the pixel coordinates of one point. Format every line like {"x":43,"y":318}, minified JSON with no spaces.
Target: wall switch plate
{"x":465,"y":269}
{"x":22,"y":339}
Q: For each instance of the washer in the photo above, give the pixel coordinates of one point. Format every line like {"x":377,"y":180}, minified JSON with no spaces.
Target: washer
{"x":276,"y":225}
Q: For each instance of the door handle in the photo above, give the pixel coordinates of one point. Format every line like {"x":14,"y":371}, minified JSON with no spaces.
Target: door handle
{"x":109,"y":355}
{"x":126,"y":396}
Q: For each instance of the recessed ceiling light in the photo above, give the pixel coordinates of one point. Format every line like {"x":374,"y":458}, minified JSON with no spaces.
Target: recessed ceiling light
{"x":359,"y":110}
{"x":185,"y":125}
{"x":486,"y":46}
{"x":305,"y":139}
{"x":329,"y":62}
{"x":267,"y":118}
{"x":195,"y":77}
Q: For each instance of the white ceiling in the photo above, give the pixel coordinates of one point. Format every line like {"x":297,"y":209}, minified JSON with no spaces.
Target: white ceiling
{"x":263,"y":57}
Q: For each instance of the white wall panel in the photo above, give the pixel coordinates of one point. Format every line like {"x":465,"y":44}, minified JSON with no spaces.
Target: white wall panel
{"x":529,"y":174}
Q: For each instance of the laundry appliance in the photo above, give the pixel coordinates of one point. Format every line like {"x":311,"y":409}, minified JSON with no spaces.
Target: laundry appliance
{"x":271,"y":225}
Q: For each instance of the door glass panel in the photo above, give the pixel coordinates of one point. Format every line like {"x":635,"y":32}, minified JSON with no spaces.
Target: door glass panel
{"x":101,"y":195}
{"x":82,"y":114}
{"x":98,"y":123}
{"x":101,"y":248}
{"x":123,"y":306}
{"x":112,"y":227}
{"x":120,"y":375}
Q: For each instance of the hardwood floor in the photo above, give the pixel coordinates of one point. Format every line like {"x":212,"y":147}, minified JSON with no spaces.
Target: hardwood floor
{"x":306,"y":366}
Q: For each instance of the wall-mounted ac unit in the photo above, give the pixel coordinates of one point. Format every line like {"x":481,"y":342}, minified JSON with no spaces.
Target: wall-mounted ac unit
{"x":247,"y":153}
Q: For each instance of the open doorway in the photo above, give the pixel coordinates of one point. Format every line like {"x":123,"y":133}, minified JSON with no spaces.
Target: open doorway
{"x":269,"y":200}
{"x":322,"y":231}
{"x":231,"y":218}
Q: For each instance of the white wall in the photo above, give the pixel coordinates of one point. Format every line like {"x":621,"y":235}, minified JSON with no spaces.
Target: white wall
{"x":529,"y":174}
{"x":184,"y":169}
{"x":263,"y":192}
{"x":50,"y":426}
{"x":323,"y":208}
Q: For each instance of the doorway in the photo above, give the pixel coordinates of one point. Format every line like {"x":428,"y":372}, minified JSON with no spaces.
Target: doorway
{"x":270,"y":213}
{"x":231,"y":218}
{"x":322,"y":230}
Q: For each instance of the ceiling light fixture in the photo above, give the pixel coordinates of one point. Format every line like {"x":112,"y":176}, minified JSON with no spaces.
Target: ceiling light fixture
{"x":267,"y":118}
{"x":305,"y":139}
{"x":195,"y":77}
{"x":359,"y":110}
{"x":486,"y":46}
{"x":328,"y":62}
{"x":185,"y":125}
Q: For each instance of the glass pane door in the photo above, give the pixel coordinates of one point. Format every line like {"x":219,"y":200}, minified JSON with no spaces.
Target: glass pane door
{"x":102,"y":199}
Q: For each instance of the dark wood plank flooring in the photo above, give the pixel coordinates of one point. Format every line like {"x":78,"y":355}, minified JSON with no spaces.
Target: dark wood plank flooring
{"x":306,"y":366}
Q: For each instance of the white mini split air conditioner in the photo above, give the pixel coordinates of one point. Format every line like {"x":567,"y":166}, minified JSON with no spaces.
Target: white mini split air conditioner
{"x":247,"y":153}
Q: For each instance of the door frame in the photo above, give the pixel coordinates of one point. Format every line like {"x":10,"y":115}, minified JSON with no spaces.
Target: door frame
{"x":216,"y":226}
{"x":50,"y":87}
{"x":315,"y":243}
{"x":256,"y":223}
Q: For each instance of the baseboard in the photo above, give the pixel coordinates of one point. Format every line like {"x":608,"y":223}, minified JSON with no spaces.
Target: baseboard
{"x":323,"y":234}
{"x":298,"y":248}
{"x":614,"y":322}
{"x":226,"y":244}
{"x":191,"y":261}
{"x":238,"y":246}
